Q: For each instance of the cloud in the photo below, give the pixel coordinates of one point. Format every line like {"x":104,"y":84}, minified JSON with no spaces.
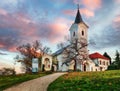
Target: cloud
{"x":117,"y":1}
{"x":10,"y":3}
{"x":54,"y":32}
{"x":4,"y":65}
{"x":86,"y":12}
{"x":60,"y":28}
{"x":14,"y":28}
{"x":1,"y":53}
{"x":3,"y":12}
{"x":107,"y":38}
{"x":104,"y":31}
{"x":116,"y":23}
{"x":92,"y":4}
{"x":18,"y":29}
{"x":69,"y":12}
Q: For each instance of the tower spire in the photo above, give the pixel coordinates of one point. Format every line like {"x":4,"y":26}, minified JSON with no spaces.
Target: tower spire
{"x":78,"y":18}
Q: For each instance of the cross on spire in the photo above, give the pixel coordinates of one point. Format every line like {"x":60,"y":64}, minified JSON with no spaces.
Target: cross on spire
{"x":78,"y":6}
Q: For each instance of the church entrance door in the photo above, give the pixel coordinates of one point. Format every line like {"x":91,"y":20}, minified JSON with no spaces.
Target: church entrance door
{"x":84,"y":67}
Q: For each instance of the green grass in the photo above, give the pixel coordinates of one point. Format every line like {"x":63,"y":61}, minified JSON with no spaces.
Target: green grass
{"x":8,"y":81}
{"x":87,"y":81}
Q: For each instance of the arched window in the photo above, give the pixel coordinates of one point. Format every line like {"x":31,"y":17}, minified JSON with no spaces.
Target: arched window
{"x":100,"y":62}
{"x":82,"y":33}
{"x":73,"y":34}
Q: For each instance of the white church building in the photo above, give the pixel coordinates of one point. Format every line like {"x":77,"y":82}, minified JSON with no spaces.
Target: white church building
{"x":85,"y":62}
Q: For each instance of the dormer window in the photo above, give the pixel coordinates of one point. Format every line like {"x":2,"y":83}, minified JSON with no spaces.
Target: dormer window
{"x":73,"y":34}
{"x":82,"y":33}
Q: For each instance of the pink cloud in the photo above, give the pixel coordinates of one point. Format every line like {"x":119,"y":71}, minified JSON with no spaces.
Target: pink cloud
{"x":19,"y":21}
{"x":88,"y":13}
{"x":1,"y":45}
{"x":12,"y":48}
{"x":117,"y":1}
{"x":69,"y":12}
{"x":116,"y":23}
{"x":29,"y":31}
{"x":92,"y":4}
{"x":60,"y":29}
{"x":3,"y":12}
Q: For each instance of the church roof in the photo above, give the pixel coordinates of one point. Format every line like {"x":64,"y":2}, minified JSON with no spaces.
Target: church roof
{"x":97,"y":55}
{"x":78,"y":18}
{"x":60,"y":51}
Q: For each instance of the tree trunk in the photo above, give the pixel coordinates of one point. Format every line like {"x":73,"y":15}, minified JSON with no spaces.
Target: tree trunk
{"x":75,"y":66}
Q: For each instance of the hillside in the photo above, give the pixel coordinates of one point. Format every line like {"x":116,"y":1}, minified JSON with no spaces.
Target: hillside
{"x":88,"y":81}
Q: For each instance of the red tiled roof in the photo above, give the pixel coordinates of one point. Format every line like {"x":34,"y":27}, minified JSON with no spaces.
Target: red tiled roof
{"x":97,"y":55}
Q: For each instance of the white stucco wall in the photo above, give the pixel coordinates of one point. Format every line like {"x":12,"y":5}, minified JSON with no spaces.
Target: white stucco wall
{"x":104,"y":67}
{"x":59,"y":58}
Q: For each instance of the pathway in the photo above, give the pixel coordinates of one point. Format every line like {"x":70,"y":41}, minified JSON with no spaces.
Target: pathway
{"x":39,"y":84}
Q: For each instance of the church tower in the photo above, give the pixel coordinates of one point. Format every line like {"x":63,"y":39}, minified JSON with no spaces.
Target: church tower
{"x":79,"y":31}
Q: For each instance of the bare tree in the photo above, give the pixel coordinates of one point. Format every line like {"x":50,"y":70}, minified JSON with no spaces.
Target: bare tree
{"x":75,"y":50}
{"x":29,"y":51}
{"x":8,"y":71}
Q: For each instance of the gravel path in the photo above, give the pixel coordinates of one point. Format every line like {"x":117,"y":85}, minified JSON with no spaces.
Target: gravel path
{"x":39,"y":84}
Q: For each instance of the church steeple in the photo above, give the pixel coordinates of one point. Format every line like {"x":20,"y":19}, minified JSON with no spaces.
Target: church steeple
{"x":78,"y":18}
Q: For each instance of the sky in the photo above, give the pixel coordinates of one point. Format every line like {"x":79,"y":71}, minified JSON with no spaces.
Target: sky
{"x":24,"y":21}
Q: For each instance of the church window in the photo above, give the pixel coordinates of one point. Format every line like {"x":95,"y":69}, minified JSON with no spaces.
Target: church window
{"x":82,"y":33}
{"x":73,"y":33}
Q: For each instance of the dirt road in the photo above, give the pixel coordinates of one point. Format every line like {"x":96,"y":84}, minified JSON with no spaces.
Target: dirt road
{"x":39,"y":84}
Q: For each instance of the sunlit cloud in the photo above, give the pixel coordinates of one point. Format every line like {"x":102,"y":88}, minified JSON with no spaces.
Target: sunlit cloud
{"x":60,"y":29}
{"x":23,"y":29}
{"x":92,"y":4}
{"x":3,"y":12}
{"x":88,"y":13}
{"x":117,"y":1}
{"x":84,"y":11}
{"x":116,"y":23}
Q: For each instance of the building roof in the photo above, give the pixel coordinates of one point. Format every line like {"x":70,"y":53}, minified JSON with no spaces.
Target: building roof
{"x":60,"y":51}
{"x":97,"y":55}
{"x":79,"y":19}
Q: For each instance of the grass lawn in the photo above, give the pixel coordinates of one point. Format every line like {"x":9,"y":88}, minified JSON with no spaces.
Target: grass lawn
{"x":7,"y":81}
{"x":87,"y":81}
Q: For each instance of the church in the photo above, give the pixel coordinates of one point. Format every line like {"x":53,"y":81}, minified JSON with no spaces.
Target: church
{"x":75,"y":56}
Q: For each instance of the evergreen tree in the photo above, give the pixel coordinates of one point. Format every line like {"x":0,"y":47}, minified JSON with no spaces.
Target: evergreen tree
{"x":117,"y":59}
{"x":107,"y":56}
